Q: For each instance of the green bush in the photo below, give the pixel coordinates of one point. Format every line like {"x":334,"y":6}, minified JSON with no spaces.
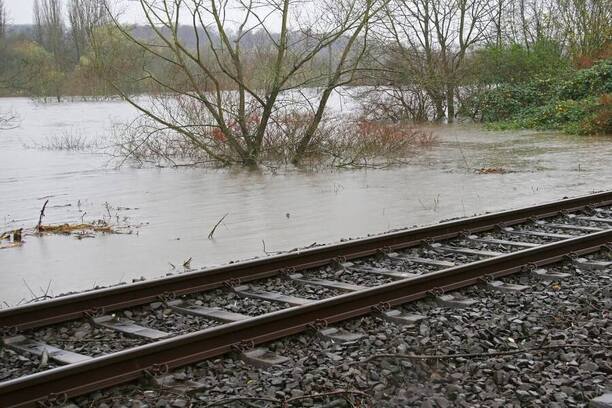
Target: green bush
{"x":515,"y":64}
{"x":505,"y":101}
{"x":586,"y":116}
{"x":579,"y":104}
{"x":596,"y":80}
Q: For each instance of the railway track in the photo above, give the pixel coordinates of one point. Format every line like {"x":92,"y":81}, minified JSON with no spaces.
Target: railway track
{"x":240,"y":306}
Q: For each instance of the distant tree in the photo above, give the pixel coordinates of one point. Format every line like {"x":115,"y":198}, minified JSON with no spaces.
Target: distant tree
{"x":514,"y":63}
{"x":85,"y":16}
{"x":112,"y":60}
{"x":50,"y":29}
{"x":434,"y":37}
{"x":4,"y":50}
{"x":38,"y":72}
{"x":3,"y":21}
{"x":587,"y":28}
{"x":50,"y":63}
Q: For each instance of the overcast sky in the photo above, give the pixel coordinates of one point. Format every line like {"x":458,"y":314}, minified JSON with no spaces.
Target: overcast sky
{"x":20,"y":12}
{"x":304,"y":13}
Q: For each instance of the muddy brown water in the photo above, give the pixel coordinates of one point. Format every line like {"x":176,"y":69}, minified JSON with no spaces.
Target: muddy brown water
{"x":176,"y":209}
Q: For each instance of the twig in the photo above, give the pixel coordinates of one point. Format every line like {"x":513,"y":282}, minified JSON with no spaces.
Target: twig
{"x":225,"y":402}
{"x":264,"y":248}
{"x":329,"y":394}
{"x":600,"y":290}
{"x":46,"y":292}
{"x":314,"y":244}
{"x":285,"y":402}
{"x":476,"y":355}
{"x":42,"y":214}
{"x":187,"y":263}
{"x":30,"y":289}
{"x":212,"y":232}
{"x":465,"y":161}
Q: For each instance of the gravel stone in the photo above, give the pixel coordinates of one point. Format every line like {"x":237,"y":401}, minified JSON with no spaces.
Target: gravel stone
{"x":603,"y":401}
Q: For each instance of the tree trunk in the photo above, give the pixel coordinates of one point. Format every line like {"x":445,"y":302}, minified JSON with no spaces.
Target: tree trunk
{"x":312,"y":128}
{"x":440,"y":113}
{"x":450,"y":102}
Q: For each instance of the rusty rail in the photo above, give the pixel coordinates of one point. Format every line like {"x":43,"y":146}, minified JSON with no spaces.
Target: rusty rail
{"x":128,"y":365}
{"x":106,"y":300}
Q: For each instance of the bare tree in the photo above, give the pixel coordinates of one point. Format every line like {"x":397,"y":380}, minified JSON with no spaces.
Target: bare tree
{"x":459,"y":25}
{"x":49,"y":32}
{"x":587,"y":25}
{"x":226,"y":95}
{"x":49,"y":27}
{"x":435,"y":36}
{"x":6,"y":76}
{"x":415,"y":61}
{"x":85,"y":16}
{"x":529,"y":21}
{"x":499,"y":20}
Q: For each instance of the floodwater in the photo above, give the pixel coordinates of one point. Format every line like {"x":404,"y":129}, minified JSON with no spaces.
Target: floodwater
{"x":171,"y":211}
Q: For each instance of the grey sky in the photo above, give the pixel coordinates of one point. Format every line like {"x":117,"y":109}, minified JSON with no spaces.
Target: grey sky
{"x":20,"y":11}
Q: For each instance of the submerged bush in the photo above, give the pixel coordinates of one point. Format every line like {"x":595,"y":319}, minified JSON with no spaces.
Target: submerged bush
{"x":341,"y":141}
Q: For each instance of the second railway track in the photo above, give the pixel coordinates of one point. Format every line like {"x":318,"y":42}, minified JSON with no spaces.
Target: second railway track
{"x":235,"y":307}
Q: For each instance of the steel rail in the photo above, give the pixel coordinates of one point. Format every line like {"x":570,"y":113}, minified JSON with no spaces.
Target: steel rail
{"x":124,"y":366}
{"x":106,"y":300}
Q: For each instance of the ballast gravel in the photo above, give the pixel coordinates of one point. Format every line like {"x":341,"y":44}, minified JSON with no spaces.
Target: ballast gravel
{"x":533,"y":332}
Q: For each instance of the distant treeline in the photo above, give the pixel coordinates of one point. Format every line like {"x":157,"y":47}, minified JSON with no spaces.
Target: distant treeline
{"x":76,"y":49}
{"x":428,"y":60}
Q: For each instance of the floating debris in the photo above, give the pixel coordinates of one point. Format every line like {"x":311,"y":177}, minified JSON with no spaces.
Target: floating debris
{"x":492,"y":170}
{"x":14,"y":237}
{"x":76,"y":228}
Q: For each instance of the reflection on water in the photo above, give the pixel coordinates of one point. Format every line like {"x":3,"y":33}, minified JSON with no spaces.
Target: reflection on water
{"x":288,"y":210}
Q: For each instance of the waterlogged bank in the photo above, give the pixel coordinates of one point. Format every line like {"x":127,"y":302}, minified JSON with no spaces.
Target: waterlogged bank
{"x":171,"y":211}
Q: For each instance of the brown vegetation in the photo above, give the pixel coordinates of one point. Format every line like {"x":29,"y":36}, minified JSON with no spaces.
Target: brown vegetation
{"x":71,"y":228}
{"x":340,"y":141}
{"x":492,"y":170}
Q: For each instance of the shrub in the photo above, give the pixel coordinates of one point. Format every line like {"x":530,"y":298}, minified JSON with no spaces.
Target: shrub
{"x":506,"y":101}
{"x":340,"y":141}
{"x":578,"y":104}
{"x":596,"y":80}
{"x":584,"y":117}
{"x":514,"y":64}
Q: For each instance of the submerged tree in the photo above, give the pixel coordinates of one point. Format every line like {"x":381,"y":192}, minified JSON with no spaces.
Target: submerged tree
{"x":434,"y":37}
{"x":225,"y":92}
